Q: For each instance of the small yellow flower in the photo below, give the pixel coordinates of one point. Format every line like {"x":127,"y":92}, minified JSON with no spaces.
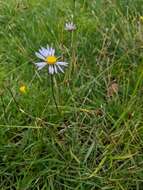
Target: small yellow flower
{"x":22,"y":89}
{"x":141,"y":18}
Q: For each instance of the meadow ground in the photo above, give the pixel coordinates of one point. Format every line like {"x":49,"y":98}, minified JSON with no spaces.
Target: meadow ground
{"x":96,"y":141}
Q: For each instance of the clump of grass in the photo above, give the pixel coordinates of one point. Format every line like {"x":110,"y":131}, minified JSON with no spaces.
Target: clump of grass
{"x":96,"y":143}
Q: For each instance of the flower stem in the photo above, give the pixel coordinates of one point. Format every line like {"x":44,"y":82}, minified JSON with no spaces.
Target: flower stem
{"x":4,"y":109}
{"x":13,"y":97}
{"x":74,"y":1}
{"x":53,"y":94}
{"x":19,"y":108}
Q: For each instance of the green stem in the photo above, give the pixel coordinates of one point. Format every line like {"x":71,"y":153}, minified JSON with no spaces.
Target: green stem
{"x":19,"y":108}
{"x":4,"y":110}
{"x":74,"y":5}
{"x":15,"y":101}
{"x":53,"y":94}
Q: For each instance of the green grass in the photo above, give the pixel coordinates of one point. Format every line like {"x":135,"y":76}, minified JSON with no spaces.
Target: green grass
{"x":96,"y":142}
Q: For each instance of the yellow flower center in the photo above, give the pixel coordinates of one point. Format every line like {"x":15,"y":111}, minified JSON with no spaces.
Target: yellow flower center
{"x":22,"y":89}
{"x":51,"y":60}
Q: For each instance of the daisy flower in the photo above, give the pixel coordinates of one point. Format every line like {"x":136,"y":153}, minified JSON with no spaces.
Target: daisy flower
{"x":70,"y":26}
{"x":50,"y":60}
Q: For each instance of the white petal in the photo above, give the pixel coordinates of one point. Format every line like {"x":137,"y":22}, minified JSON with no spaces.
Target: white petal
{"x":47,"y":47}
{"x":55,"y":67}
{"x":44,"y":52}
{"x":40,"y":56}
{"x":60,"y":68}
{"x":51,"y":51}
{"x":40,"y":65}
{"x":62,"y":63}
{"x":51,"y":70}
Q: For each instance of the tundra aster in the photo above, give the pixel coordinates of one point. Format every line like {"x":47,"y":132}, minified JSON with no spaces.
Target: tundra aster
{"x":70,"y":26}
{"x":50,"y":60}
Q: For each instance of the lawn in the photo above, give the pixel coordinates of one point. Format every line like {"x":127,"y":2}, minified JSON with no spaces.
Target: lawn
{"x":81,"y":129}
